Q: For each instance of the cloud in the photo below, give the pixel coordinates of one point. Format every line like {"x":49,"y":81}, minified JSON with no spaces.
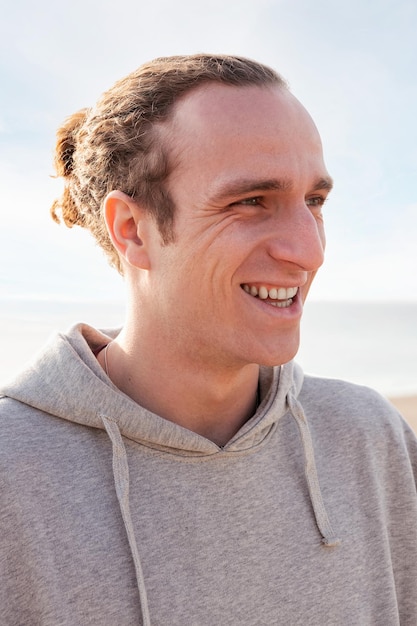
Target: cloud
{"x":352,"y":65}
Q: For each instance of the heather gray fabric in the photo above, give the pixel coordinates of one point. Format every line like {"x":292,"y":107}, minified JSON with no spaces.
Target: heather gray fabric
{"x":110,"y":514}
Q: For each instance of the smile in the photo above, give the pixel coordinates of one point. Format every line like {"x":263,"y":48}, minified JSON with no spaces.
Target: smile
{"x":277,"y":296}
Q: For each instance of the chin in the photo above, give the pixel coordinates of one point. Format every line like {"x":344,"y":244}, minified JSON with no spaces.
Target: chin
{"x":280,"y":355}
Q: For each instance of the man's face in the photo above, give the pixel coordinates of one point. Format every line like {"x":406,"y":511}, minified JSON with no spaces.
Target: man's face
{"x":248,"y":184}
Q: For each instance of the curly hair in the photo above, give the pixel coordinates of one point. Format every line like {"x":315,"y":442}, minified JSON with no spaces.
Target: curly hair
{"x":116,"y":145}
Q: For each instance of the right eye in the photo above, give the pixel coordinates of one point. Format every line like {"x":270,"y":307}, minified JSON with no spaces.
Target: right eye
{"x":254,"y":201}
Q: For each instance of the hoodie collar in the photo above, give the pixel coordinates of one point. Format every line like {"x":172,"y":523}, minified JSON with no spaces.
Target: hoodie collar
{"x":66,"y":380}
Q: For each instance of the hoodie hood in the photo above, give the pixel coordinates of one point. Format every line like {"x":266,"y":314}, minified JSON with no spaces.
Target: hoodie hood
{"x":66,"y":380}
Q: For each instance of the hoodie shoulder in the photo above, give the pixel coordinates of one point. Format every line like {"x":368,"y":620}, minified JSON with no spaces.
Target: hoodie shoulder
{"x":354,"y":412}
{"x":30,"y":434}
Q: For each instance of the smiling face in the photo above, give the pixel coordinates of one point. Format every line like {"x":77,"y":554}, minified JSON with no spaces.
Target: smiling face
{"x":248,"y":184}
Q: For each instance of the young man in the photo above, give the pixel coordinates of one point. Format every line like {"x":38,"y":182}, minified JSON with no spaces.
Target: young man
{"x":183,"y":470}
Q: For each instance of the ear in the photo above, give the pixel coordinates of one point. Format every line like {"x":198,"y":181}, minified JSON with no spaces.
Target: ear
{"x":127,"y":224}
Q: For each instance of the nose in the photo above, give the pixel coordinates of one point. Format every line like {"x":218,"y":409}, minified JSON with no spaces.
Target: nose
{"x":298,"y":237}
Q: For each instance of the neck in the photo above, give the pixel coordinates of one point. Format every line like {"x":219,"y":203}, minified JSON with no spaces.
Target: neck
{"x":213,"y":402}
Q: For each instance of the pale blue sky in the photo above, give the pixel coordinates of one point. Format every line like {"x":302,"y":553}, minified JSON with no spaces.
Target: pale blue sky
{"x":352,"y":64}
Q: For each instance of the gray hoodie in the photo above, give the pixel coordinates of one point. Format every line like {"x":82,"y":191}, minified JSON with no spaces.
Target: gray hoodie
{"x":110,"y":514}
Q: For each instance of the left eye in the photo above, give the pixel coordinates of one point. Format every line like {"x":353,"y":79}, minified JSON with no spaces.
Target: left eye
{"x":315,"y":201}
{"x":250,"y":201}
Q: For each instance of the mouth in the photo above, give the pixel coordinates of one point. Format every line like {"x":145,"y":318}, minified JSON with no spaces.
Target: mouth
{"x":281,"y":297}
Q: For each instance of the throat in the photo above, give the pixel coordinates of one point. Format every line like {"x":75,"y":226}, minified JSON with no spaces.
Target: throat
{"x":214,"y":404}
{"x":226,"y":419}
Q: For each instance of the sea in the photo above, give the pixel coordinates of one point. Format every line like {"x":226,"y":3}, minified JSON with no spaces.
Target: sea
{"x":369,"y":343}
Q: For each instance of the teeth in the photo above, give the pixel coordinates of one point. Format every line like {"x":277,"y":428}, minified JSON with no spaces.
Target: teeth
{"x":263,"y":293}
{"x":280,"y":294}
{"x":281,"y":304}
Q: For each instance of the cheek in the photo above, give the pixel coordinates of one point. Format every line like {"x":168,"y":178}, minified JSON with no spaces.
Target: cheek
{"x":322,"y":236}
{"x":322,"y":232}
{"x":306,"y":288}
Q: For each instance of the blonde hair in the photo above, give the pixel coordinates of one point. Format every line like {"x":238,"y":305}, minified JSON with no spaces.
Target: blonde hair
{"x":115,"y":145}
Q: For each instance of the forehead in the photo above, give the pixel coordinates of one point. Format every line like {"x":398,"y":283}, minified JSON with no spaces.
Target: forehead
{"x":220,"y":136}
{"x":218,"y":108}
{"x":219,"y":129}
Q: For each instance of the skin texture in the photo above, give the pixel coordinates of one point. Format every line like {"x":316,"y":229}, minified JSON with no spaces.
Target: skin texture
{"x":249,"y":183}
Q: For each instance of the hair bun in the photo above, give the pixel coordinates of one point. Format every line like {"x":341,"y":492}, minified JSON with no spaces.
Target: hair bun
{"x":66,"y":142}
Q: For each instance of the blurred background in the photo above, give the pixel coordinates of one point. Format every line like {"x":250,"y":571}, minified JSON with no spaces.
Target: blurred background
{"x":353,"y":65}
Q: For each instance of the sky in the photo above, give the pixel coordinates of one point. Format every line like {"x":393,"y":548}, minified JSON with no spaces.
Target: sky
{"x":353,"y":65}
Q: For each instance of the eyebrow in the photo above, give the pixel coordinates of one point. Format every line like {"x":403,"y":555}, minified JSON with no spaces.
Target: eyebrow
{"x":324,"y":183}
{"x":241,"y":187}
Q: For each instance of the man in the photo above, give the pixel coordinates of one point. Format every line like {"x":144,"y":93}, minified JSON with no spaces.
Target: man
{"x":183,"y":470}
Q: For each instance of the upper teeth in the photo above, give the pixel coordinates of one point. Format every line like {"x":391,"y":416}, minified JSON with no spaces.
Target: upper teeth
{"x":276,"y":293}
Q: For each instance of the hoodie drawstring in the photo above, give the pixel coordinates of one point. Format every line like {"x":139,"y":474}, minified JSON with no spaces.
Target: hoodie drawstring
{"x":121,"y":481}
{"x":329,"y":537}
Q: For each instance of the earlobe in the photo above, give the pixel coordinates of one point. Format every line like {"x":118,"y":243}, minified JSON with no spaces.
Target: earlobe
{"x":126,"y":225}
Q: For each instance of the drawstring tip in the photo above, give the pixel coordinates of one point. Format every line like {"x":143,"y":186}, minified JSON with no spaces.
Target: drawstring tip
{"x":331,"y":542}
